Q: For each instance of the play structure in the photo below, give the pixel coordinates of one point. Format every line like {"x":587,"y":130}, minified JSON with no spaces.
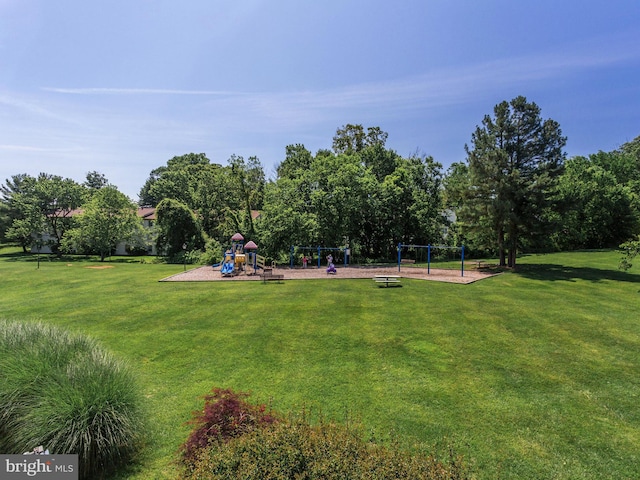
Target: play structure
{"x":241,"y":258}
{"x":344,"y":251}
{"x":430,"y":249}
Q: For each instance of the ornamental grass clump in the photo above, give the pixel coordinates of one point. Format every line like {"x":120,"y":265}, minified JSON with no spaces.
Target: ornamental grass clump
{"x":62,"y":391}
{"x":294,"y":448}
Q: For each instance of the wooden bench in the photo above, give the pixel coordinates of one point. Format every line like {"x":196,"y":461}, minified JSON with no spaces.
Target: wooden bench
{"x":386,"y":279}
{"x":268,"y":276}
{"x":407,"y":260}
{"x":480,"y":264}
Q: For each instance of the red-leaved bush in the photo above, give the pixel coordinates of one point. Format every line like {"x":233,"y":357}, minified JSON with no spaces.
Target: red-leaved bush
{"x":225,"y":415}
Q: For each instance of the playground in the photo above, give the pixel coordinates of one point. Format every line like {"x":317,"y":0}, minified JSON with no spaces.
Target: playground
{"x":209,"y":274}
{"x":241,"y":262}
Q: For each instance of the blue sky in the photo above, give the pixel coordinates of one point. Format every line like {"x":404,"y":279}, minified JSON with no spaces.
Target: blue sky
{"x":120,"y":87}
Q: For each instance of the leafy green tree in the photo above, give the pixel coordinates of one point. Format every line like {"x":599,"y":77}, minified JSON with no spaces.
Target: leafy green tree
{"x":287,"y":217}
{"x":249,"y":180}
{"x":178,"y":228}
{"x":214,"y":199}
{"x":41,"y":207}
{"x":514,"y":163}
{"x":632,"y":148}
{"x":364,"y":196}
{"x":598,"y":211}
{"x":176,"y":180}
{"x":58,"y":199}
{"x":297,"y":162}
{"x":631,"y":250}
{"x":5,"y":221}
{"x":223,"y":198}
{"x":351,"y":138}
{"x":95,"y":181}
{"x":107,"y":219}
{"x":21,"y":216}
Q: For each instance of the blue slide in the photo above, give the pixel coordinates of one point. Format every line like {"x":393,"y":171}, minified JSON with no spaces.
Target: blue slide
{"x":227,"y":268}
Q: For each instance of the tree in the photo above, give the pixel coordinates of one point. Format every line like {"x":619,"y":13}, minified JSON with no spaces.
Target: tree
{"x":21,"y":215}
{"x":287,"y":218}
{"x":297,"y":161}
{"x":95,"y":181}
{"x":514,"y":163}
{"x":177,"y":180}
{"x":41,"y":206}
{"x":365,"y":195}
{"x":597,"y":208}
{"x":178,"y":228}
{"x":631,"y":250}
{"x":108,"y":218}
{"x":351,"y":139}
{"x":249,"y":180}
{"x":58,"y":199}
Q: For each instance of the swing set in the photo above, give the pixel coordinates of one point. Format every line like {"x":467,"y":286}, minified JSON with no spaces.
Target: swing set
{"x":429,"y":250}
{"x":344,"y":250}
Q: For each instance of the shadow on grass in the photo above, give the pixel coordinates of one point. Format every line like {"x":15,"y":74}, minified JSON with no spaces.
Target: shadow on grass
{"x":554,"y":272}
{"x":48,"y":257}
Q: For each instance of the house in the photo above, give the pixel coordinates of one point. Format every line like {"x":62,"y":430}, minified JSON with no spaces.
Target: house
{"x":147,"y":216}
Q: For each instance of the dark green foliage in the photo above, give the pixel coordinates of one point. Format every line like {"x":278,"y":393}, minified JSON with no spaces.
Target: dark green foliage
{"x":235,"y":440}
{"x":108,"y":218}
{"x":178,"y":228}
{"x":63,"y":392}
{"x":363,"y":195}
{"x":598,"y":210}
{"x":176,"y":180}
{"x":630,"y":250}
{"x":514,"y":162}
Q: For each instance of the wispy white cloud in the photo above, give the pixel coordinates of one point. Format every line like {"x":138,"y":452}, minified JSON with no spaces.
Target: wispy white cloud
{"x":36,"y":149}
{"x":440,"y":87}
{"x":125,"y":132}
{"x":135,"y":91}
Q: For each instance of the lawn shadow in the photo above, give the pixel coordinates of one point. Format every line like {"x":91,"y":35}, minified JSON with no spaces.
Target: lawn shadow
{"x":554,"y":272}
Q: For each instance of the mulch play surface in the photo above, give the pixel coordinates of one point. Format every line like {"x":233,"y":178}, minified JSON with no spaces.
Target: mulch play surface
{"x":210,"y":274}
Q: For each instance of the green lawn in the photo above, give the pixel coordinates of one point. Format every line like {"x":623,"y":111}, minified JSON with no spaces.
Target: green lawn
{"x":534,"y":374}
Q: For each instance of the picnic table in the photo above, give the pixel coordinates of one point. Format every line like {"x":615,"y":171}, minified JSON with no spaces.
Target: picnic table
{"x":386,"y":279}
{"x":268,"y":275}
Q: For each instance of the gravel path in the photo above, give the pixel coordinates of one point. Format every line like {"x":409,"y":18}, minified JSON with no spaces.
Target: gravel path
{"x":210,"y":274}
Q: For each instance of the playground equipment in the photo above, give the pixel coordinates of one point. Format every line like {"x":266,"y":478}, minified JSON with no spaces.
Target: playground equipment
{"x":429,"y":249}
{"x":239,"y":257}
{"x":346,"y":252}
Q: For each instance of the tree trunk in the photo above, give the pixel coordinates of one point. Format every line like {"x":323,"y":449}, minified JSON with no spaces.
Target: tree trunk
{"x":501,"y":248}
{"x":513,"y":250}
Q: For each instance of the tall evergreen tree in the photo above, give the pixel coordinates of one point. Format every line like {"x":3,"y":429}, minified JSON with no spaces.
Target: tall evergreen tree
{"x":514,"y":162}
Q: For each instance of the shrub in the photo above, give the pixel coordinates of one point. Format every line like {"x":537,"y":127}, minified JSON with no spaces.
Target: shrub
{"x":64,"y":392}
{"x":293,"y":448}
{"x":225,"y":415}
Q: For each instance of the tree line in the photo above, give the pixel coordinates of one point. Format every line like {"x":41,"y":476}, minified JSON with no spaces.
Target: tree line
{"x":515,"y":191}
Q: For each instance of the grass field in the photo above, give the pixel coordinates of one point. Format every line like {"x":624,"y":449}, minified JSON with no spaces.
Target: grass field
{"x":534,"y":374}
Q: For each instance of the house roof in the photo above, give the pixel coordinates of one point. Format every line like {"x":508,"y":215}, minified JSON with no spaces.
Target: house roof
{"x":146,"y":213}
